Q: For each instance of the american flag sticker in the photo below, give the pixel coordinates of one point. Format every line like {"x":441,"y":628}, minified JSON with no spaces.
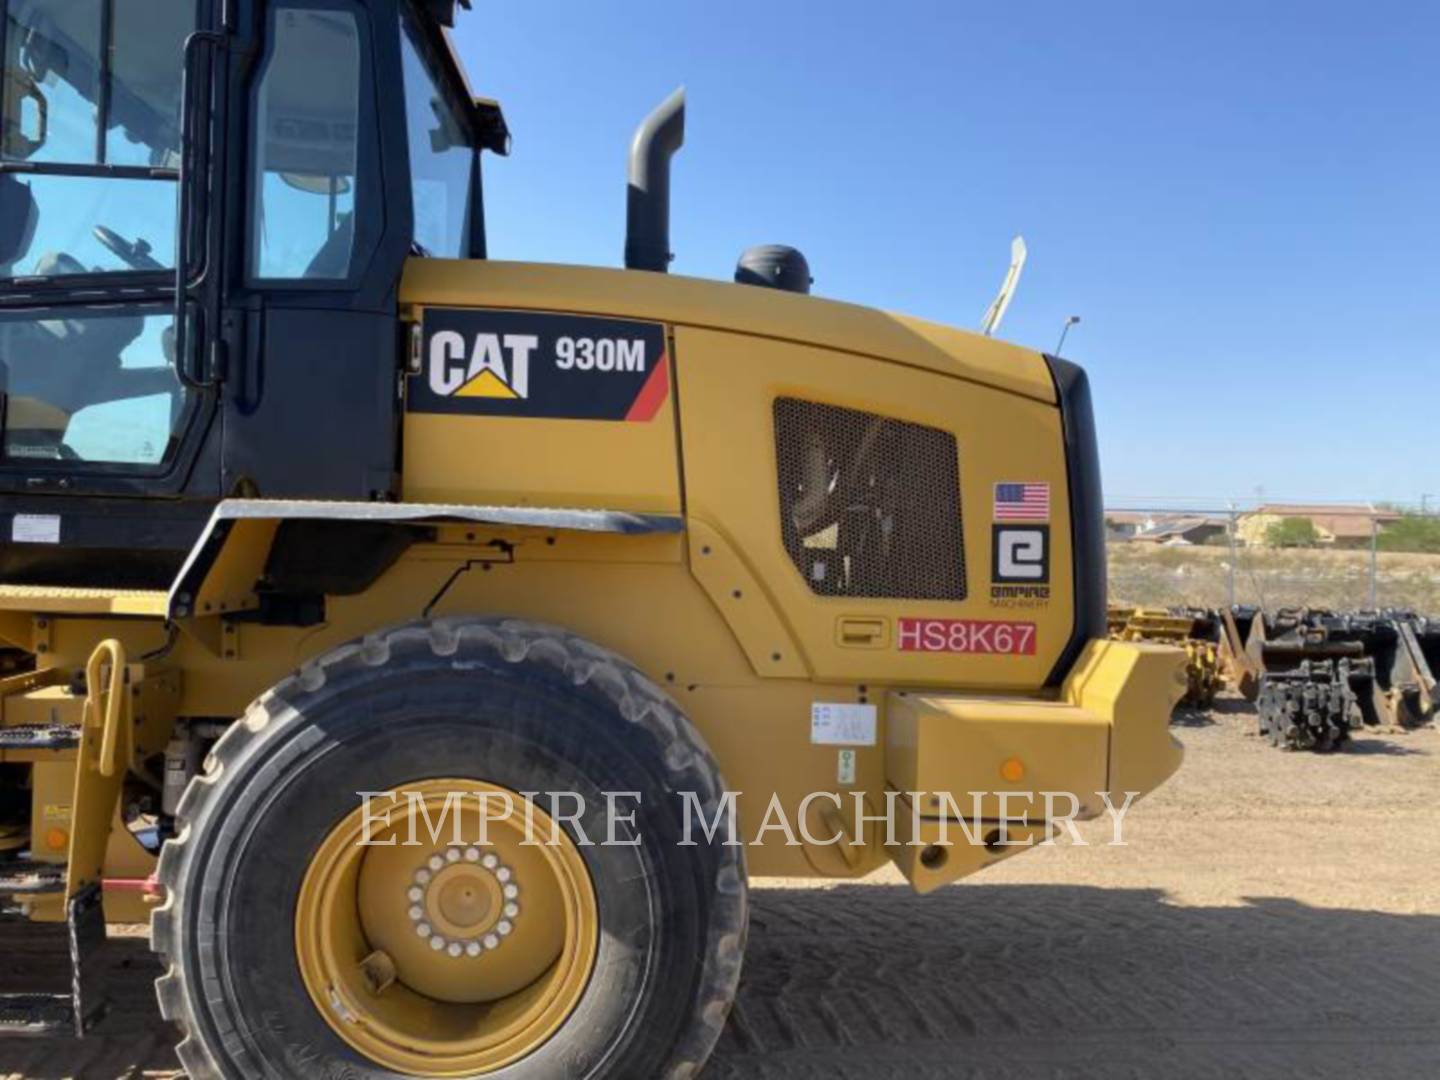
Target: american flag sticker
{"x":1022,"y":502}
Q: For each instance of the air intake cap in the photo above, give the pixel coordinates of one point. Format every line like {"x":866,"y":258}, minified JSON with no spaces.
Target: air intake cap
{"x":774,"y":266}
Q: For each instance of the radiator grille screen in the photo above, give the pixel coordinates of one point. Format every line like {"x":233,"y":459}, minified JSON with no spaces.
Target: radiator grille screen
{"x":869,"y":506}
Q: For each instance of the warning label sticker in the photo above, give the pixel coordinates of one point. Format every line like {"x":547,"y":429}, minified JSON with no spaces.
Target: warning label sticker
{"x":842,"y":724}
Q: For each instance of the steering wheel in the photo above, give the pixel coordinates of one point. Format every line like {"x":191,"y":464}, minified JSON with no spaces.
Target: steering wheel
{"x":134,"y":254}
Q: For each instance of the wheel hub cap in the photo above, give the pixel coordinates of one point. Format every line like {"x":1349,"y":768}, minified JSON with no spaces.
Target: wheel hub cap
{"x":453,"y":954}
{"x":463,"y":901}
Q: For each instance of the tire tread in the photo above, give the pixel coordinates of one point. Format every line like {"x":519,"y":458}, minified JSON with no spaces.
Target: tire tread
{"x":587,"y":666}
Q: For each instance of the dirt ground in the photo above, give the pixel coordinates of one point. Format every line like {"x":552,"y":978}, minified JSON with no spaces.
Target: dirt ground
{"x":1271,"y":915}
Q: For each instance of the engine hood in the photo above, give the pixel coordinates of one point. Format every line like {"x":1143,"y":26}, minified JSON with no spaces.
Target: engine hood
{"x":719,"y":305}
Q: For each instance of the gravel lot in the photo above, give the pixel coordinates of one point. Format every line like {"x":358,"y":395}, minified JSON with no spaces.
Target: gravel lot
{"x":1272,"y":915}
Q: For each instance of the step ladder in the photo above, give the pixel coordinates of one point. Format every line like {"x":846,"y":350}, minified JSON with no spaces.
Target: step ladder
{"x":83,"y":945}
{"x":27,"y":877}
{"x":52,"y":972}
{"x":39,"y":737}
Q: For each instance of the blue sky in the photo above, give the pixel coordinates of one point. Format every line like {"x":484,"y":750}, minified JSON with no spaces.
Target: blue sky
{"x":1241,"y":200}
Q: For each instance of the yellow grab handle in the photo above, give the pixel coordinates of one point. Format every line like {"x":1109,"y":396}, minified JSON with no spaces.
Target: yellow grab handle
{"x":114,"y":701}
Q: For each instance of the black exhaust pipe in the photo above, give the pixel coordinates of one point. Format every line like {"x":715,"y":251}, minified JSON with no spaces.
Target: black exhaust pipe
{"x":647,"y":210}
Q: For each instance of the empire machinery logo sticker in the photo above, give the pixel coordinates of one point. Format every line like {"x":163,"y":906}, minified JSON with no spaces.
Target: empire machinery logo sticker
{"x":1020,"y":545}
{"x":532,"y":364}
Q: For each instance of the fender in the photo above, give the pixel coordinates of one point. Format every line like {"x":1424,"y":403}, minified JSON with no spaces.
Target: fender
{"x":246,"y":539}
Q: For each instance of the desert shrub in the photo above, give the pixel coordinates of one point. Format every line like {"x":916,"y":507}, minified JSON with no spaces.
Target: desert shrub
{"x":1292,"y":532}
{"x":1413,"y":532}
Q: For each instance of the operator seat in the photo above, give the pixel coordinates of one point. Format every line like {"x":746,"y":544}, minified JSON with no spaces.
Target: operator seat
{"x":19,"y":215}
{"x":333,"y":258}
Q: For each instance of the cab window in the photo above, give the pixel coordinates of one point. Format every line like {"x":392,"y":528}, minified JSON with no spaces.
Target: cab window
{"x":91,"y":385}
{"x":441,"y":158}
{"x":89,"y":144}
{"x":89,"y":129}
{"x":305,"y":144}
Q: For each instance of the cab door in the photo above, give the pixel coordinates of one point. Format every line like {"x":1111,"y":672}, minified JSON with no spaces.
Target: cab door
{"x":107,"y":461}
{"x":318,"y":237}
{"x":93,"y":398}
{"x":276,"y":130}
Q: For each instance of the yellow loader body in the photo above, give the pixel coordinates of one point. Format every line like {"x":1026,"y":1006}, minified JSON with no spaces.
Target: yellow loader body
{"x":716,"y":611}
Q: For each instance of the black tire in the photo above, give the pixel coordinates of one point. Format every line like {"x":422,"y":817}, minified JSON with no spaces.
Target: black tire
{"x":526,"y":706}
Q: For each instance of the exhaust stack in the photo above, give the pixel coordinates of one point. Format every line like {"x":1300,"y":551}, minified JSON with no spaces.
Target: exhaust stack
{"x":647,"y":211}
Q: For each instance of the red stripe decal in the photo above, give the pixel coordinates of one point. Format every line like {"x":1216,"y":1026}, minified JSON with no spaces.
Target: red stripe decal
{"x":653,"y":394}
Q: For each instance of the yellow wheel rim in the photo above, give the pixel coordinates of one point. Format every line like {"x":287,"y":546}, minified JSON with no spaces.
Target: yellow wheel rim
{"x":448,"y":929}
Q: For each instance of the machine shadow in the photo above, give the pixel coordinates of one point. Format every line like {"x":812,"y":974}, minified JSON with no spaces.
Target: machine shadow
{"x":1051,"y":981}
{"x":871,"y":981}
{"x":1231,"y":705}
{"x":1381,"y":748}
{"x":1188,"y":717}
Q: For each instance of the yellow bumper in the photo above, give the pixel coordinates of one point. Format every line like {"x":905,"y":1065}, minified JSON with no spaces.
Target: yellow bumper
{"x":982,"y":778}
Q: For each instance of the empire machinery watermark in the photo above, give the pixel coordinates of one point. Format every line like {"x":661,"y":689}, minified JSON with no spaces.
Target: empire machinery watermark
{"x":820,"y":819}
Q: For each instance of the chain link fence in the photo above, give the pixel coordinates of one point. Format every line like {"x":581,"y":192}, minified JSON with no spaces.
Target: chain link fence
{"x":1171,"y":555}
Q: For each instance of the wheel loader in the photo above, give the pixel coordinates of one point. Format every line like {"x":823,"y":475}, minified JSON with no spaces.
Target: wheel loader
{"x":430,"y":648}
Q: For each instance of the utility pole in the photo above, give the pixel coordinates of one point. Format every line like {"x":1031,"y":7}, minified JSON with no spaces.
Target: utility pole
{"x":1374,"y":559}
{"x":1230,"y":533}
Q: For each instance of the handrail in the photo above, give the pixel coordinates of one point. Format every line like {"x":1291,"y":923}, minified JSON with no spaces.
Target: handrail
{"x":182,"y":210}
{"x":109,"y":715}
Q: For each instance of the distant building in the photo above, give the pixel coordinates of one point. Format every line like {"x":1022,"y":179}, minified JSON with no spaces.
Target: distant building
{"x":1192,"y":529}
{"x":1163,"y":528}
{"x":1124,"y":524}
{"x":1337,"y":525}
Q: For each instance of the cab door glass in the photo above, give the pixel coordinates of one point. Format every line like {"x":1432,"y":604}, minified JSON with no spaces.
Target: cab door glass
{"x":91,"y":385}
{"x":305,"y":145}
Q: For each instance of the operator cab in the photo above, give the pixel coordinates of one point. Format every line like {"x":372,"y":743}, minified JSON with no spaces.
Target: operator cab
{"x":269,"y":128}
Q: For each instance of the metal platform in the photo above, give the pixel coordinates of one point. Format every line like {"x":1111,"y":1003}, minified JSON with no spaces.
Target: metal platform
{"x":30,"y":878}
{"x":62,"y":600}
{"x":38,"y":737}
{"x":36,"y":1014}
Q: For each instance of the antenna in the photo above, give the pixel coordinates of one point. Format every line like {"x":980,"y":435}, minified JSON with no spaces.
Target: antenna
{"x":996,"y":311}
